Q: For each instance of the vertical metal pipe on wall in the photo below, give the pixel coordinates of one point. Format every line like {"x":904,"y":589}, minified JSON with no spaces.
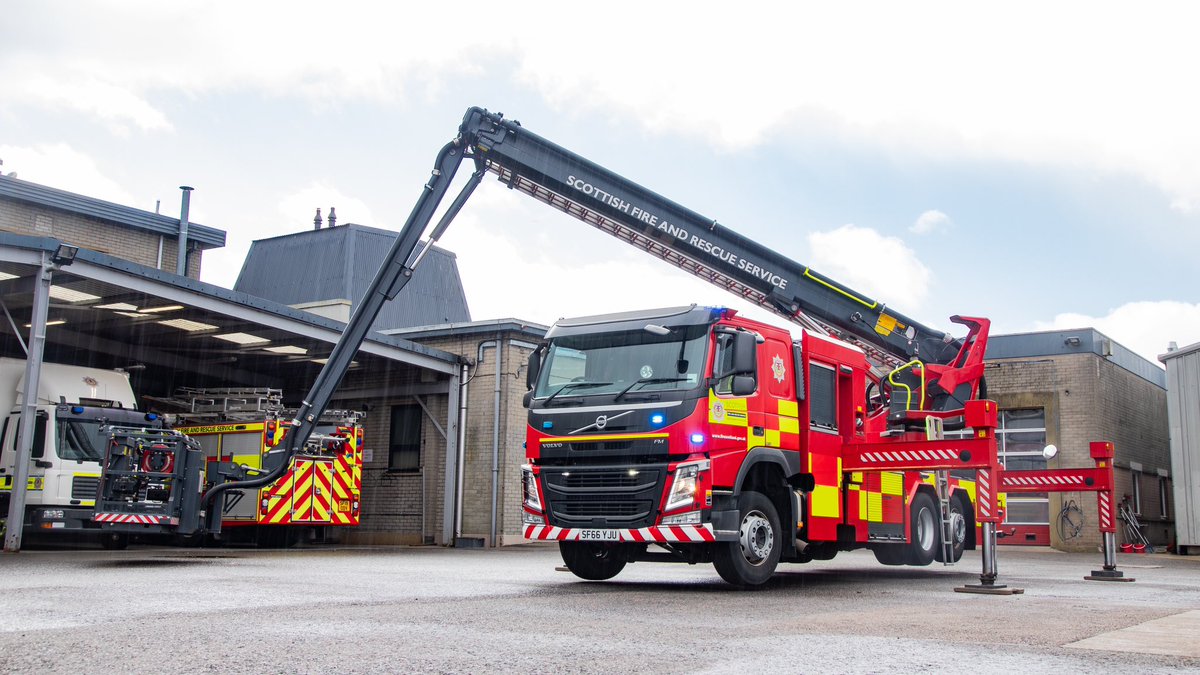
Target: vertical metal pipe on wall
{"x":462,"y":453}
{"x":181,"y":264}
{"x":496,"y":438}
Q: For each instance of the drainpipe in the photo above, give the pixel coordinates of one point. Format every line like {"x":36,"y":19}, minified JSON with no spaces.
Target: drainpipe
{"x":496,"y":439}
{"x":462,"y":452}
{"x":181,"y":264}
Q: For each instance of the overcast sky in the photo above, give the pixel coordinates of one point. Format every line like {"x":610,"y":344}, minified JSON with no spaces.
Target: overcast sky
{"x":1035,"y":163}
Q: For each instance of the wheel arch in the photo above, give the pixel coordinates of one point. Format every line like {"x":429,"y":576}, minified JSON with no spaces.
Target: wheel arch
{"x":769,"y":471}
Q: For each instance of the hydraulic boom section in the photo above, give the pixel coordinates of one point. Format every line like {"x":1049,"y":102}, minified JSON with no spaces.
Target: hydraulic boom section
{"x":940,"y":371}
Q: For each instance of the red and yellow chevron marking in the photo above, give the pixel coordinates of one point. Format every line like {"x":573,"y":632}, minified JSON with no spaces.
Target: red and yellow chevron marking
{"x":312,"y":492}
{"x":344,"y":493}
{"x":279,"y":499}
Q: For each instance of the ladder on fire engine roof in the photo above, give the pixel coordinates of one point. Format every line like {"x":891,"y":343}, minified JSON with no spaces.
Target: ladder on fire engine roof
{"x":935,"y":431}
{"x":223,"y":402}
{"x":192,"y":404}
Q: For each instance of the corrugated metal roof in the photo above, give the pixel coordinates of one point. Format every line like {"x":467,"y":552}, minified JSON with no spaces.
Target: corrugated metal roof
{"x":1075,"y":341}
{"x":22,"y":190}
{"x":339,"y":263}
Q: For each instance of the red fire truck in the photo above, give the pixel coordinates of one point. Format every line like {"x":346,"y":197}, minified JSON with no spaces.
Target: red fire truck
{"x":694,"y":434}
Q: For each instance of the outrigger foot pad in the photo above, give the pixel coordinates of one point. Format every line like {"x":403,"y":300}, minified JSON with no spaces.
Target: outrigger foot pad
{"x":989,"y":589}
{"x":1108,"y":575}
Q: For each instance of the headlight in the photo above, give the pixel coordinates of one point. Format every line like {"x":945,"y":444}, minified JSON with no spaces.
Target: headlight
{"x":683,"y":489}
{"x":531,"y":494}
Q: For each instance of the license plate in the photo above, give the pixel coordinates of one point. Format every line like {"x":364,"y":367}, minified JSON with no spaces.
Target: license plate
{"x":598,"y":535}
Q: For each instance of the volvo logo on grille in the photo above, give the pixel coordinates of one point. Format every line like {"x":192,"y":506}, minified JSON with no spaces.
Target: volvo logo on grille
{"x":601,"y":421}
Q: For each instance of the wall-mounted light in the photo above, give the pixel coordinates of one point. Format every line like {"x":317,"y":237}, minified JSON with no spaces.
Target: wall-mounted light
{"x":64,"y":254}
{"x":1072,"y":341}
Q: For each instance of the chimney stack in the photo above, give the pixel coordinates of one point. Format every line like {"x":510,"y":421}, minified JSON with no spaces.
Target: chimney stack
{"x":332,"y":217}
{"x":317,"y":220}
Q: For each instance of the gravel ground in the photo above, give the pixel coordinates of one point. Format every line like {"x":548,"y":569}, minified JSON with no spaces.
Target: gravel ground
{"x":424,"y":609}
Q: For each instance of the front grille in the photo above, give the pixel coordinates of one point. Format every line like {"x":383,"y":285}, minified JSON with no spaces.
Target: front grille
{"x":84,"y":487}
{"x":619,"y":512}
{"x":603,"y":497}
{"x":621,"y":480}
{"x":621,"y":450}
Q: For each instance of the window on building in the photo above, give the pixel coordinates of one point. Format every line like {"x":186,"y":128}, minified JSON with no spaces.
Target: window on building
{"x":404,"y":447}
{"x":1020,"y":438}
{"x":1163,"y":486}
{"x":1137,"y":492}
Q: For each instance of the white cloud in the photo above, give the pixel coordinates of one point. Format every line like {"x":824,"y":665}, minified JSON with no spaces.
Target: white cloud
{"x":940,"y":78}
{"x":1145,"y":327}
{"x":879,"y":266}
{"x":931,"y":221}
{"x":60,"y":166}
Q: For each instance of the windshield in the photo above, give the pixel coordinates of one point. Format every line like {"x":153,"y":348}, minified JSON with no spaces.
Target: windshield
{"x":81,"y":439}
{"x":633,"y":362}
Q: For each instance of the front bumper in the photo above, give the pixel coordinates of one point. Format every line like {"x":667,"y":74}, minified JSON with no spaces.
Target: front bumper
{"x":662,"y":534}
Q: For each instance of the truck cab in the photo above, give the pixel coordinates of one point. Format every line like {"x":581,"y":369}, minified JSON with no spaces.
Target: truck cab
{"x":73,"y":403}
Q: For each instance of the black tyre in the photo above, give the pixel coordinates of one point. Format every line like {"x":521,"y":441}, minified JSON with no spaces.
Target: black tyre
{"x":925,"y":526}
{"x":592,"y":561}
{"x":114,"y":541}
{"x":751,"y":560}
{"x":958,"y":533}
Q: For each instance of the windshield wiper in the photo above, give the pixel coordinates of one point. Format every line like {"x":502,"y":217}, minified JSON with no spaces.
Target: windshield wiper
{"x":574,"y":385}
{"x":647,"y":380}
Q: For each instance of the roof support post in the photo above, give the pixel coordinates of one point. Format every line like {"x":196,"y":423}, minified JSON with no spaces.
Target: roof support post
{"x":33,"y":375}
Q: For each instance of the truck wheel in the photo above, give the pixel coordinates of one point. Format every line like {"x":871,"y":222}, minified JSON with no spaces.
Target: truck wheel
{"x":958,"y":533}
{"x":926,"y":523}
{"x":114,"y":541}
{"x":592,"y":561}
{"x":751,"y":560}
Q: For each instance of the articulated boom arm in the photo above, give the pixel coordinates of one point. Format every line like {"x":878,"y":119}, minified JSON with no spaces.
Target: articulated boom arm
{"x":697,"y":244}
{"x":680,"y":236}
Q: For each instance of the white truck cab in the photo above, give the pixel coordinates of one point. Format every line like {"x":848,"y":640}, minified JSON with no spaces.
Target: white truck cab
{"x":73,"y":403}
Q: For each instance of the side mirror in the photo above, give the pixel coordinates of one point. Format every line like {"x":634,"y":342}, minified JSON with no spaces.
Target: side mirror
{"x":533,"y":367}
{"x":743,"y":385}
{"x":744,"y":358}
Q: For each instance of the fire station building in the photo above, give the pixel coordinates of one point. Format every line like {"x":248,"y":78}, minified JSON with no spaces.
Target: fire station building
{"x":442,"y":393}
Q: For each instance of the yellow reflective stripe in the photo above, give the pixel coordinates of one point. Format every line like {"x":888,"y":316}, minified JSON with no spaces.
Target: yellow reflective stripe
{"x":789,"y":408}
{"x":891,"y":483}
{"x":789,"y":425}
{"x":874,"y":507}
{"x":826,"y":284}
{"x":825,"y":501}
{"x":240,"y":428}
{"x":252,"y":461}
{"x":588,"y":439}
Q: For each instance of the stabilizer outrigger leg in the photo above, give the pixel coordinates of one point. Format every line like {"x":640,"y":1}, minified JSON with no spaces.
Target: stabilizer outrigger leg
{"x":987,"y":508}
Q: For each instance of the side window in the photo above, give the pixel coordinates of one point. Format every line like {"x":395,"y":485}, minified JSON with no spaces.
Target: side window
{"x":822,"y":397}
{"x":723,"y":362}
{"x":39,"y":435}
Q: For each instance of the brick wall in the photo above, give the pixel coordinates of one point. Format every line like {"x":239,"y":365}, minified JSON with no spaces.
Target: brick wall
{"x":408,"y":507}
{"x":1087,"y":398}
{"x":128,"y":243}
